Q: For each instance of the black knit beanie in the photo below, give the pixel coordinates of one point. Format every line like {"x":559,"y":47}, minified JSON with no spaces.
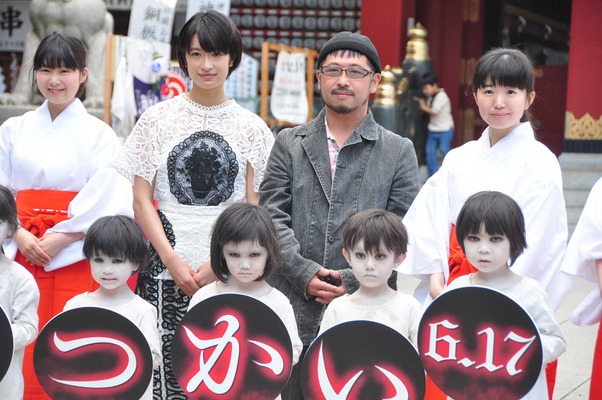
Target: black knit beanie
{"x":350,"y":41}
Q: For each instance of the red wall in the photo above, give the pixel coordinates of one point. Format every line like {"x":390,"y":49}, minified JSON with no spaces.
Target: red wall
{"x":385,"y":22}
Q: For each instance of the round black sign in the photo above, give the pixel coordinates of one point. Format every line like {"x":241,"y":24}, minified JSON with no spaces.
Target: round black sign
{"x":92,"y":353}
{"x":476,"y":342}
{"x":231,"y":346}
{"x":6,"y":343}
{"x":361,"y":360}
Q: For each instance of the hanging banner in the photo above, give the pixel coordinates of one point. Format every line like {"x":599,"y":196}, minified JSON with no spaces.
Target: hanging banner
{"x":288,"y":101}
{"x":152,"y":20}
{"x":15,"y":23}
{"x":473,"y":338}
{"x":241,"y":85}
{"x":195,"y":6}
{"x":360,"y":360}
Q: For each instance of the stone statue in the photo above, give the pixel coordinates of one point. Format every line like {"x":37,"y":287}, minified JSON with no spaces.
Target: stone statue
{"x":87,"y":20}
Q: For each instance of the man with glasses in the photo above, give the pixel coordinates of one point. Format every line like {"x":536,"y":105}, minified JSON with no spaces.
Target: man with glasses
{"x":321,"y":173}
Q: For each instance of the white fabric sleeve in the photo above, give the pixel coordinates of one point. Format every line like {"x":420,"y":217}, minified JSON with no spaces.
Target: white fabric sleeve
{"x":286,"y":313}
{"x":148,"y":327}
{"x":25,"y":312}
{"x":140,"y":154}
{"x":428,"y":222}
{"x":261,"y":141}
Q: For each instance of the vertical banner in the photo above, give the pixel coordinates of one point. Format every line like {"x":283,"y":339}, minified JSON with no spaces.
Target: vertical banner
{"x":195,"y":6}
{"x":142,"y":78}
{"x":152,"y":20}
{"x":288,"y":101}
{"x":242,"y":84}
{"x":15,"y":23}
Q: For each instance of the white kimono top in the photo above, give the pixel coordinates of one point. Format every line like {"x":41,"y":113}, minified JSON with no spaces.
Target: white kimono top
{"x":584,"y":248}
{"x":519,"y":166}
{"x":402,"y":313}
{"x":72,"y":153}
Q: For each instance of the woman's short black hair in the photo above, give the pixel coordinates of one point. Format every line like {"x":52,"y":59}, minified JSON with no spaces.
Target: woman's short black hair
{"x":8,"y":211}
{"x":216,"y":33}
{"x":505,"y":67}
{"x":375,"y":228}
{"x":116,"y":236}
{"x":499,"y":214}
{"x":60,"y":51}
{"x":240,"y":222}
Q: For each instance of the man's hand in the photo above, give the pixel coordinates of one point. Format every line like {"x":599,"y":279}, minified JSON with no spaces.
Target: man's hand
{"x":323,"y":291}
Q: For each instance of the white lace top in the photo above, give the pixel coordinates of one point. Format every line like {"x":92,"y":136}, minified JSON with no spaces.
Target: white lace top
{"x":195,"y":135}
{"x":199,"y":156}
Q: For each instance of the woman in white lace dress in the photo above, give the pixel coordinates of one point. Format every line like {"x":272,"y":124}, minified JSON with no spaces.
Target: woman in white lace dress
{"x":193,"y":155}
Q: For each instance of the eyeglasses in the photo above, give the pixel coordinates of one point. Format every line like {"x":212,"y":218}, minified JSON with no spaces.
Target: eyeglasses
{"x":333,"y":71}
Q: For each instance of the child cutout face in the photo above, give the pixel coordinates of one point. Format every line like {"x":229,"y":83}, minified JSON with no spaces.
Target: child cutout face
{"x":488,"y":253}
{"x":246,"y":260}
{"x":372,"y":270}
{"x":111,"y":272}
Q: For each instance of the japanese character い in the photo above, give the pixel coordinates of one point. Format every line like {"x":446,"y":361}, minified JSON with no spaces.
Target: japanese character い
{"x":202,"y":169}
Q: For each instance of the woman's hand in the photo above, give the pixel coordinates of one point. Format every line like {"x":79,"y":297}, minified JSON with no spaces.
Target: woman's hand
{"x":436,"y":284}
{"x":29,"y":246}
{"x":182,"y":275}
{"x":204,"y":275}
{"x":53,"y":243}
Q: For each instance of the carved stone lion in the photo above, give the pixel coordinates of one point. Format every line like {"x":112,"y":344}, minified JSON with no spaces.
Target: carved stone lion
{"x":87,"y":20}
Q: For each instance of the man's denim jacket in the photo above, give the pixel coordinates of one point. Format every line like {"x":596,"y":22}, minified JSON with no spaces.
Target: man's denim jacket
{"x":375,"y":169}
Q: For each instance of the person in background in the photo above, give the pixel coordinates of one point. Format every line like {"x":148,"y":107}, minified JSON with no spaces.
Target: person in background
{"x":441,"y":122}
{"x":57,"y":160}
{"x":192,"y":155}
{"x":321,"y":173}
